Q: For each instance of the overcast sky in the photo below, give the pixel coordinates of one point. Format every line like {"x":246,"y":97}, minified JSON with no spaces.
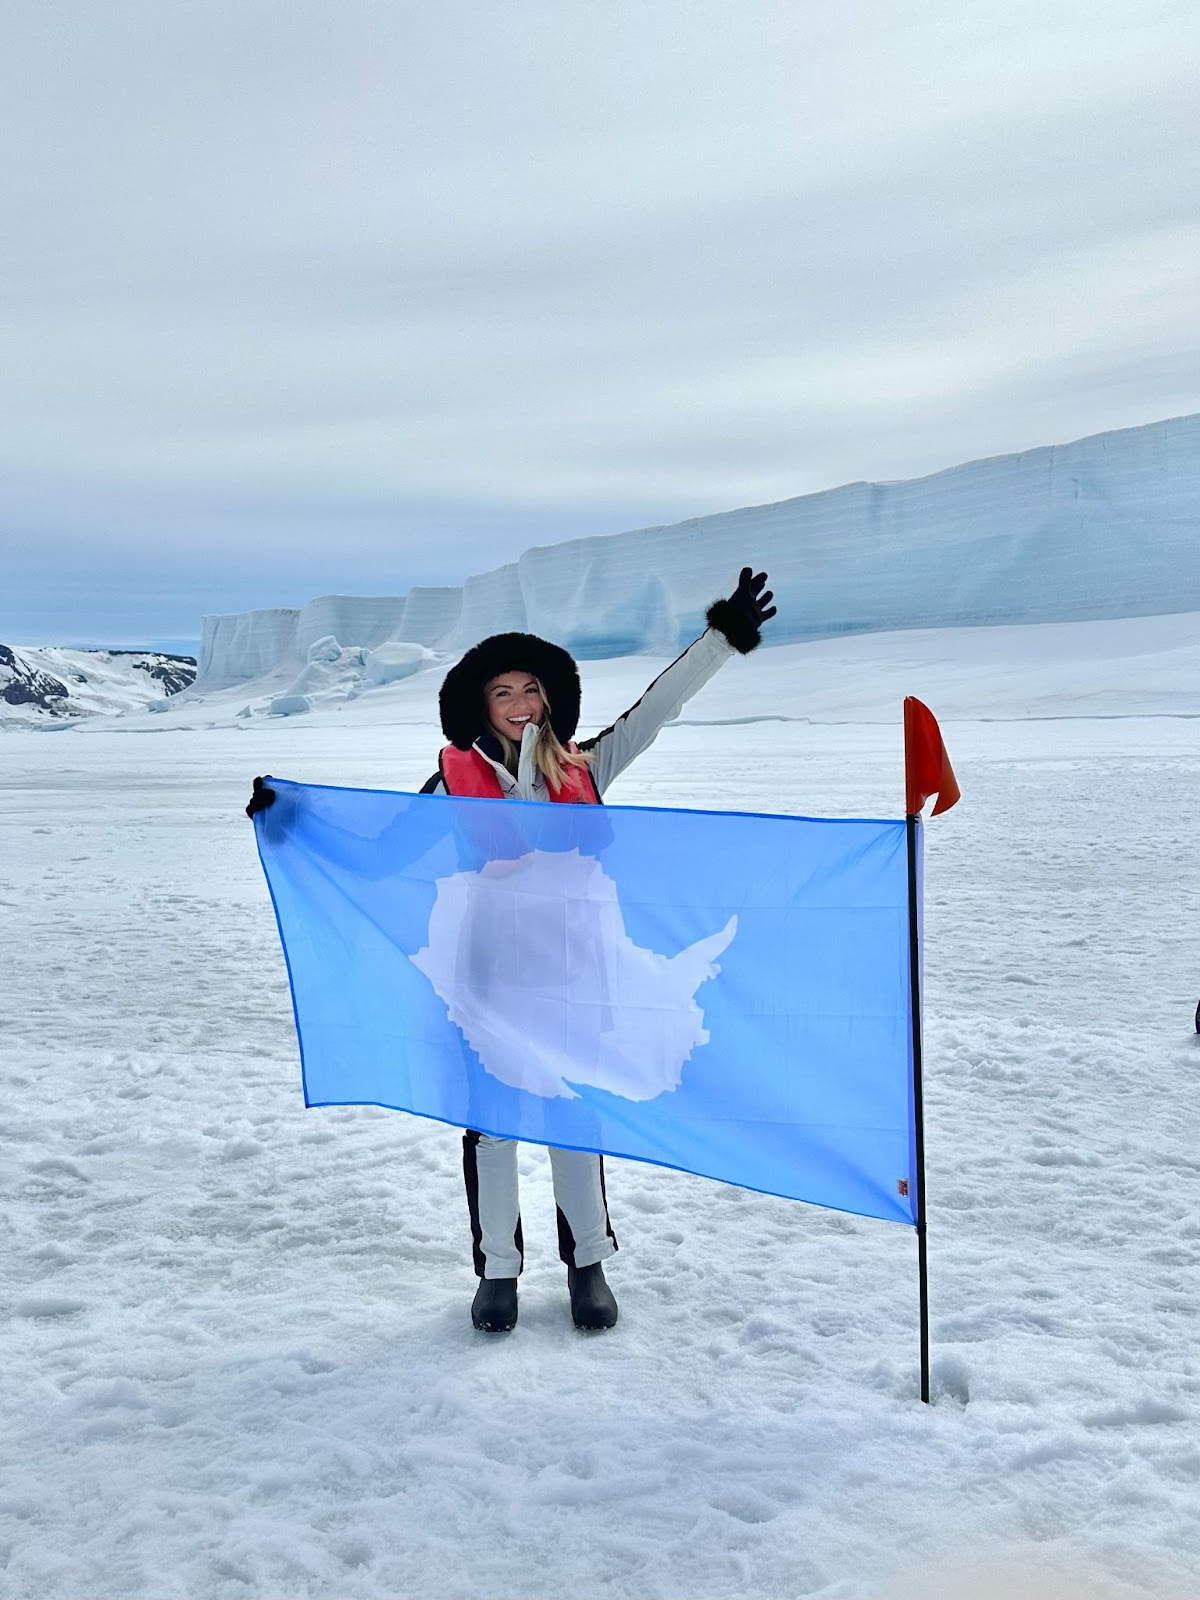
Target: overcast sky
{"x":306,"y":297}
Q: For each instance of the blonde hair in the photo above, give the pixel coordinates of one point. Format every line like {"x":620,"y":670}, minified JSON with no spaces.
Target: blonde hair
{"x":550,"y":754}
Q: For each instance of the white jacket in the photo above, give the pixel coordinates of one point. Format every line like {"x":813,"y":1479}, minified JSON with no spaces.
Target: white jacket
{"x":634,"y":730}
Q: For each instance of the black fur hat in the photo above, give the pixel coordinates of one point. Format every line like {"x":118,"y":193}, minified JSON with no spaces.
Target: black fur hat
{"x":461,"y":699}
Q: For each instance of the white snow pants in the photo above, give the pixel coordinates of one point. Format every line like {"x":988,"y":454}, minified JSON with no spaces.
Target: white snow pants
{"x":585,"y":1234}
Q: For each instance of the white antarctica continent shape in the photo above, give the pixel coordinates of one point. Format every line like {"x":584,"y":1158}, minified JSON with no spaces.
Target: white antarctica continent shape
{"x":534,"y":965}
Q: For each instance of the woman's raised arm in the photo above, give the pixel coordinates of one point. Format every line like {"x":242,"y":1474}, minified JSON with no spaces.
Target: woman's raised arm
{"x":734,"y":627}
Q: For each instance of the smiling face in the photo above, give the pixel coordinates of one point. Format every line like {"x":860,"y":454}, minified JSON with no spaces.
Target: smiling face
{"x":512,"y":700}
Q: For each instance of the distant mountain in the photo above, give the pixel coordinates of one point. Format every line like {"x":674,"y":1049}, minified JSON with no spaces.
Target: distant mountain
{"x":1104,"y":527}
{"x":46,"y":685}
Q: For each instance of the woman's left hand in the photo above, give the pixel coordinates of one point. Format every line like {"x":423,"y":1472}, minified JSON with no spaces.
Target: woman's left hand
{"x":740,"y":618}
{"x":752,"y":598}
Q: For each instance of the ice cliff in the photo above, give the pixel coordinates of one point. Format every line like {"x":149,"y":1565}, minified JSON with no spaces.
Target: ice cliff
{"x":1107,"y":526}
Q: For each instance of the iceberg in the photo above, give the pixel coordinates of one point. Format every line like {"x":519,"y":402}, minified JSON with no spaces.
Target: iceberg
{"x":393,"y":661}
{"x":1100,"y":528}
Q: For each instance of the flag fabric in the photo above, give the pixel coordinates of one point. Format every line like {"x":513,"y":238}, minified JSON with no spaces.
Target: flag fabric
{"x":724,"y":993}
{"x":927,"y":768}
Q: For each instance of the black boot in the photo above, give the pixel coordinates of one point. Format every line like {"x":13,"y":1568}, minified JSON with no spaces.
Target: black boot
{"x":494,"y":1308}
{"x":593,"y":1304}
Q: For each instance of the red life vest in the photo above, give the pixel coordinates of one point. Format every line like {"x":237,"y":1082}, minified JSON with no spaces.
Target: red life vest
{"x":470,"y":774}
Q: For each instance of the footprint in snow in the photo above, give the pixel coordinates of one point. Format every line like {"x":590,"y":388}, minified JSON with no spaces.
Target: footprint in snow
{"x":241,"y":1150}
{"x":1148,"y":1412}
{"x":51,"y":1166}
{"x":47,"y":1305}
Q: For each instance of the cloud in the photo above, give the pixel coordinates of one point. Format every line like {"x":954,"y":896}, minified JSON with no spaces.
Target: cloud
{"x":369,"y":288}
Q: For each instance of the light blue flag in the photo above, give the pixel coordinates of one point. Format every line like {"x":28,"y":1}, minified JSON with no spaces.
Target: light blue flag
{"x":720,"y":992}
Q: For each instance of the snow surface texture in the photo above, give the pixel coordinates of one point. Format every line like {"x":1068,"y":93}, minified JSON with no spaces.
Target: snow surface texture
{"x":1104,"y":527}
{"x":508,"y":1002}
{"x":238,"y":1360}
{"x":46,"y":685}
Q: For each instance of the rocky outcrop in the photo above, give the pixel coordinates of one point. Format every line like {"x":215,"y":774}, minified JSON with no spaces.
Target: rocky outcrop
{"x":40,"y":684}
{"x":22,"y":684}
{"x":173,"y":672}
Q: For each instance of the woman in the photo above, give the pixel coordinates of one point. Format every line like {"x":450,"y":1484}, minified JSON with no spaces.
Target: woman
{"x":510,"y":709}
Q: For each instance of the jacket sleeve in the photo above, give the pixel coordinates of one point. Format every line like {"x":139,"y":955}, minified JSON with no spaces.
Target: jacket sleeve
{"x":637,"y":729}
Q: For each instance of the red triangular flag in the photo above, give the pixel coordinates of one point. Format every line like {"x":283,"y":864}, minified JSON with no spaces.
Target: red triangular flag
{"x":927,"y":768}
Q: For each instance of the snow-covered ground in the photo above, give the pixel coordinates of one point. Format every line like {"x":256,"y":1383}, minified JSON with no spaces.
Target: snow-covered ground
{"x":238,"y":1360}
{"x":1121,"y":667}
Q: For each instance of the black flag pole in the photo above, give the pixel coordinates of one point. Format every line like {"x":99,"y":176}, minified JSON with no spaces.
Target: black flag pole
{"x":912,"y":824}
{"x":927,"y":771}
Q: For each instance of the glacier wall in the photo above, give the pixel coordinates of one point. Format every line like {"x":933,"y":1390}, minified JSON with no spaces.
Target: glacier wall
{"x":1107,"y":526}
{"x":253,"y":644}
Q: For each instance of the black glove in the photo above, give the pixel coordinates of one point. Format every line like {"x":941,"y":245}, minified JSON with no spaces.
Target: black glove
{"x":740,"y":618}
{"x":261,"y":798}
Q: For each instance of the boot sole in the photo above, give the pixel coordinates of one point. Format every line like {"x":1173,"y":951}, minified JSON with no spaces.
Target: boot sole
{"x":495,"y":1319}
{"x":594,"y":1327}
